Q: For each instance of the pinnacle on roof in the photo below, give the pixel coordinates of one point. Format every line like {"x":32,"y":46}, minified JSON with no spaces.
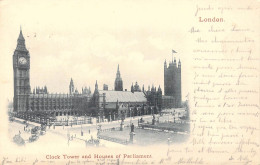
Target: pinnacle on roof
{"x":21,"y":34}
{"x":159,"y":88}
{"x":118,"y":72}
{"x":21,"y":42}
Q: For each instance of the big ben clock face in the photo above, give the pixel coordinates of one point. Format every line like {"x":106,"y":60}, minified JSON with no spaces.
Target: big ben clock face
{"x":22,"y":60}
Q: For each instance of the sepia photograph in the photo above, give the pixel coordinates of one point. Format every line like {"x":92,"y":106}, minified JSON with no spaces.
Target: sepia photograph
{"x":129,"y":82}
{"x":106,"y":116}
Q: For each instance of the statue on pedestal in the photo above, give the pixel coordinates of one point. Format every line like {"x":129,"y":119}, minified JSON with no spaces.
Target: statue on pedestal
{"x":132,"y":128}
{"x":132,"y":133}
{"x":153,"y":121}
{"x":122,"y":125}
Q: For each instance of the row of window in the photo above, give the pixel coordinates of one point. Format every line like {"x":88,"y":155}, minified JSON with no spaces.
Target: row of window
{"x":23,"y":73}
{"x":23,"y":83}
{"x":37,"y":101}
{"x":23,"y":91}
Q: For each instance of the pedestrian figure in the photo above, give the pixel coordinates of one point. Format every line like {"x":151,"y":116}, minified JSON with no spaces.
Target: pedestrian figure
{"x":89,"y":131}
{"x":24,"y":128}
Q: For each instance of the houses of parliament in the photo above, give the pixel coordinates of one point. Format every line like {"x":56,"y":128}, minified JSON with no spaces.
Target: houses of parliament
{"x":107,"y":104}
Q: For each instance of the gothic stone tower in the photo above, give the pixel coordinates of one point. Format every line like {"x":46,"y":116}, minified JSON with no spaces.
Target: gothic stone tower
{"x":118,"y":81}
{"x":71,"y":86}
{"x":21,"y":68}
{"x":172,"y":81}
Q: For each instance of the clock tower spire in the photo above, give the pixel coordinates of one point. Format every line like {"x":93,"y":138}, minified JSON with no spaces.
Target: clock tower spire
{"x":21,"y":70}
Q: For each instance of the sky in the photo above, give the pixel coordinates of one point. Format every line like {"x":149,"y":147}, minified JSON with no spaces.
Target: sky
{"x":86,"y":40}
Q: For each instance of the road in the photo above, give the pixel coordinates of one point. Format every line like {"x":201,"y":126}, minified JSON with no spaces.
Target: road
{"x":61,"y":133}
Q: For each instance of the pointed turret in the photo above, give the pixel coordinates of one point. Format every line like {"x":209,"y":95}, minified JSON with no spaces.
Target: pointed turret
{"x":76,"y":91}
{"x":152,"y":88}
{"x":174,"y":62}
{"x":21,"y":42}
{"x":132,"y":88}
{"x":165,"y":64}
{"x":45,"y":89}
{"x":89,"y":90}
{"x":118,"y":72}
{"x":96,"y":87}
{"x":71,"y":86}
{"x":21,"y":38}
{"x":159,"y":88}
{"x":179,"y":64}
{"x":118,"y":81}
{"x":96,"y":95}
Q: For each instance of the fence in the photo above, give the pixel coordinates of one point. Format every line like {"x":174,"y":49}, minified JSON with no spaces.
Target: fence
{"x":110,"y":129}
{"x":86,"y":120}
{"x":177,"y":128}
{"x":116,"y":140}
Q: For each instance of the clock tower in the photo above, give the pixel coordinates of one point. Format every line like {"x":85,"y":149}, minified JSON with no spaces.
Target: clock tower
{"x":21,"y":68}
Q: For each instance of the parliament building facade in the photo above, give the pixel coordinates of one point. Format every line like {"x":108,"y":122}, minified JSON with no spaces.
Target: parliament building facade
{"x":104,"y":104}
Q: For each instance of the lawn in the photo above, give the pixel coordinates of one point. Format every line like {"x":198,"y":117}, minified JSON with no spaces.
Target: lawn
{"x":147,"y":137}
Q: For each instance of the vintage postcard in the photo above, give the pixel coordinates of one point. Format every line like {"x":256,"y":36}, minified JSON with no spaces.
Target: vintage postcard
{"x":129,"y":82}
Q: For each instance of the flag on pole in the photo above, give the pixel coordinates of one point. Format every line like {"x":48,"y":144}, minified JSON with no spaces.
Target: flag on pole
{"x":173,"y":51}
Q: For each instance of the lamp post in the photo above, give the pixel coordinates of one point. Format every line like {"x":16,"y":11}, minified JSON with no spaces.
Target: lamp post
{"x":114,"y":115}
{"x":81,"y":131}
{"x":98,"y":117}
{"x":174,"y":116}
{"x":130,"y":116}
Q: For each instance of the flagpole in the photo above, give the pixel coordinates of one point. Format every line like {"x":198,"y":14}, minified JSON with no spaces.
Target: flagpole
{"x":172,"y":56}
{"x":173,"y":51}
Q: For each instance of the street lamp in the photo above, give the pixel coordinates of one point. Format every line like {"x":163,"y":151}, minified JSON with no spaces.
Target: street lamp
{"x":98,"y":117}
{"x":81,"y":131}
